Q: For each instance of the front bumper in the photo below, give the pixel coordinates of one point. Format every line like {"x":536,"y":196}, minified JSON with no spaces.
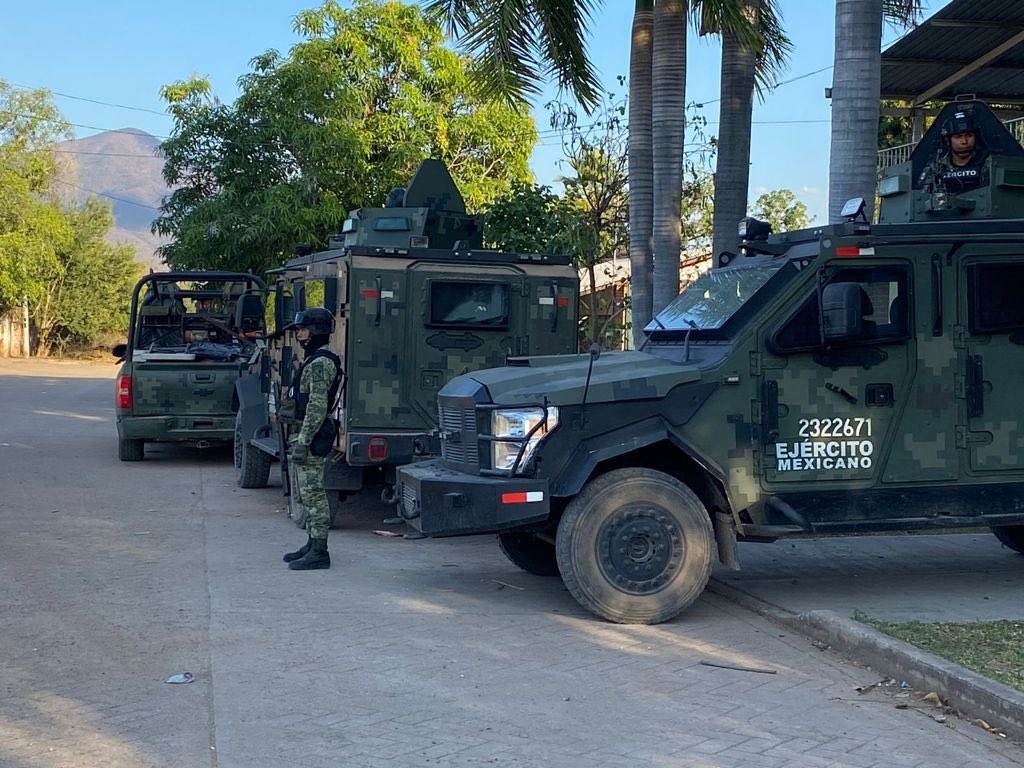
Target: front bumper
{"x":176,"y":428}
{"x":439,"y":501}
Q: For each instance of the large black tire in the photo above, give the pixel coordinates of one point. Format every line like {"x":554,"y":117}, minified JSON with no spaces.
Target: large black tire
{"x":130,"y":450}
{"x":532,"y":554}
{"x":252,"y":466}
{"x":635,"y":546}
{"x":1011,"y":536}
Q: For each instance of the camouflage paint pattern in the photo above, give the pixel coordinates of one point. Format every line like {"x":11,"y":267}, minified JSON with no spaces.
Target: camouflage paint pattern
{"x":197,"y":388}
{"x":309,"y":476}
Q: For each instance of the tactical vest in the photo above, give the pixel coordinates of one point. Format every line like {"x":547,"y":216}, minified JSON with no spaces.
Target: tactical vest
{"x":324,"y":437}
{"x":302,"y":398}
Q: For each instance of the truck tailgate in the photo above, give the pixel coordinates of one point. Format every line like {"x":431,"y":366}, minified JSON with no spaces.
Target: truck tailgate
{"x":166,"y":387}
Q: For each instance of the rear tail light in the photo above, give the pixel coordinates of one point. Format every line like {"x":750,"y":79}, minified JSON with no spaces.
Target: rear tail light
{"x":377,"y":449}
{"x":124,"y":391}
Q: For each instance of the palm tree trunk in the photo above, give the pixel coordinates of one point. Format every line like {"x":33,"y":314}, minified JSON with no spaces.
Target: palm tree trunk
{"x":732,"y":171}
{"x":641,"y":171}
{"x":856,"y":83}
{"x":668,"y":120}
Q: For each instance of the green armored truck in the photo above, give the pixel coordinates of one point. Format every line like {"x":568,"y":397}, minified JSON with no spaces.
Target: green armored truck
{"x":417,"y":300}
{"x":849,"y":378}
{"x":191,"y":335}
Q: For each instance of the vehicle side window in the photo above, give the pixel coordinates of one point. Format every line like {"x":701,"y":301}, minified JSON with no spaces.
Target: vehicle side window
{"x":994,"y":292}
{"x":882,"y":300}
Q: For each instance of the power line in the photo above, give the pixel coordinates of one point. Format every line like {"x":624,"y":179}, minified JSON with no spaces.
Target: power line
{"x":104,"y":194}
{"x":106,"y":154}
{"x":91,"y":101}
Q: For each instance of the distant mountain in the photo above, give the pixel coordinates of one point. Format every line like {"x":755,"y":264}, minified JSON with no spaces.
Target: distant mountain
{"x":124,"y":168}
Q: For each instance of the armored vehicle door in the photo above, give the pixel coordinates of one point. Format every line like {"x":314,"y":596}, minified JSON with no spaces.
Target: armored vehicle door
{"x":990,"y":333}
{"x":837,"y":365}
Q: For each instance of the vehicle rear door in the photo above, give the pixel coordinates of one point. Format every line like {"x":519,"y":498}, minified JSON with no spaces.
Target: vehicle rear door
{"x":990,"y":335}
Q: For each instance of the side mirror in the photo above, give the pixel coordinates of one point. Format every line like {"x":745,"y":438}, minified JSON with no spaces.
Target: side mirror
{"x":119,"y":351}
{"x":843,"y":307}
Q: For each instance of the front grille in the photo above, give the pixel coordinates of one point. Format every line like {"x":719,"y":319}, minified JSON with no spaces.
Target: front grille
{"x":460,"y":444}
{"x":408,"y":502}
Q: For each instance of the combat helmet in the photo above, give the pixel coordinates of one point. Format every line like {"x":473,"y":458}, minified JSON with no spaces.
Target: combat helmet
{"x":960,"y":122}
{"x":319,"y":321}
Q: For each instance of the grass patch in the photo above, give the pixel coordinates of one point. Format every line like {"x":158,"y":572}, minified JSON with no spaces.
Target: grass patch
{"x":994,"y":649}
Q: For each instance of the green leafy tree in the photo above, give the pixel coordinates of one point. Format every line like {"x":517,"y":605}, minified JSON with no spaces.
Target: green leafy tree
{"x":91,"y":292}
{"x":346,"y":116}
{"x":54,"y":255}
{"x":529,"y":218}
{"x":30,"y":223}
{"x":596,"y":189}
{"x":782,"y":210}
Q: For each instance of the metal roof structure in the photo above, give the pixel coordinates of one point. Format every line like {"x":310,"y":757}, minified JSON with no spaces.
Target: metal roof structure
{"x":968,"y":47}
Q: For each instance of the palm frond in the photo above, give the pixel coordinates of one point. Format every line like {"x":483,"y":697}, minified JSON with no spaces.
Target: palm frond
{"x":903,"y":12}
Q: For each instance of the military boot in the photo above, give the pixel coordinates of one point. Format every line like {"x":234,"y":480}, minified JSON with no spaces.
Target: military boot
{"x":314,"y":560}
{"x":290,"y":556}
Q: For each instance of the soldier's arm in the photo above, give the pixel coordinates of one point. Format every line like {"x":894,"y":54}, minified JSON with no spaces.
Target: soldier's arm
{"x":319,"y":376}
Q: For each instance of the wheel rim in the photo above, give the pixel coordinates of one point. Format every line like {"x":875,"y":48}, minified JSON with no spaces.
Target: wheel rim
{"x":640,"y":549}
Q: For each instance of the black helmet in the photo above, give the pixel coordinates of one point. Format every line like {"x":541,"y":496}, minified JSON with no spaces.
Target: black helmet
{"x":395,"y":198}
{"x":960,"y":122}
{"x":319,"y":321}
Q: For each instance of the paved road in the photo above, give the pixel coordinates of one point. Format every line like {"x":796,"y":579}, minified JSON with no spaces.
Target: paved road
{"x":431,"y":653}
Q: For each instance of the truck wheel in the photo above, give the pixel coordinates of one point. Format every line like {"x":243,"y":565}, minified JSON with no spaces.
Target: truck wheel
{"x":130,"y":450}
{"x":1011,"y":536}
{"x":532,"y":554}
{"x":252,"y":466}
{"x":635,"y":546}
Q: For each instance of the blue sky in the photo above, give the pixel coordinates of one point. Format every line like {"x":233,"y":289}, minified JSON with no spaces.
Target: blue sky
{"x":122,"y":52}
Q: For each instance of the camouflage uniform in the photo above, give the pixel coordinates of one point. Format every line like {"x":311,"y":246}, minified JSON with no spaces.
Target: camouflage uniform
{"x":317,"y":377}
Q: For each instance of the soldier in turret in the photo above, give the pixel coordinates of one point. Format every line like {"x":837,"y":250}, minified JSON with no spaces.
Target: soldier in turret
{"x":315,"y":391}
{"x":961,"y":166}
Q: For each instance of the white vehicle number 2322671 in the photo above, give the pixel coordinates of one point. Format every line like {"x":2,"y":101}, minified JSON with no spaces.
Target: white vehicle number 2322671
{"x":828,"y":444}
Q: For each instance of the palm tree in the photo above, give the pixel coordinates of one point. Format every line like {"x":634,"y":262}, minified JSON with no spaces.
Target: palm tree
{"x":641,"y":168}
{"x":744,"y":68}
{"x":668,"y":123}
{"x":856,"y":84}
{"x":517,"y":43}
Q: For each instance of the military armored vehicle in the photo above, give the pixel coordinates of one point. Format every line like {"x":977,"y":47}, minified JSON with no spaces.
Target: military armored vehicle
{"x":848,"y":378}
{"x":191,"y":335}
{"x":417,"y":300}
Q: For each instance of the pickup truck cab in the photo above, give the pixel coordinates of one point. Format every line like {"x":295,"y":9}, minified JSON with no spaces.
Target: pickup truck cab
{"x":190,"y":336}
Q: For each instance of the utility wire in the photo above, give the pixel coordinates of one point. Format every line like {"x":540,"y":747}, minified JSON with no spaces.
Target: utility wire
{"x":91,"y":101}
{"x":104,"y":194}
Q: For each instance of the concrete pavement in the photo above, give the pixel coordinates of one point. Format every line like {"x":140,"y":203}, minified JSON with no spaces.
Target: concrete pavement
{"x":816,"y":586}
{"x":406,"y":653}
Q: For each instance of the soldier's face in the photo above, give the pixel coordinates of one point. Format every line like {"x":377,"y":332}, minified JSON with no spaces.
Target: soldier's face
{"x":962,"y":144}
{"x":303,"y":334}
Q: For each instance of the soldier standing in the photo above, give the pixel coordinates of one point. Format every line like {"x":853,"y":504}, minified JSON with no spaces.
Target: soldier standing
{"x":315,"y":392}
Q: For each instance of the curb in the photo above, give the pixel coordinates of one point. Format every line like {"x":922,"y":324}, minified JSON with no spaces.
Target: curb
{"x":970,"y":694}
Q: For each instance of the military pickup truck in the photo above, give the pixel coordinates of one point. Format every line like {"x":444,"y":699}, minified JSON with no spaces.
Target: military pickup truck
{"x":848,"y":378}
{"x":417,"y":300}
{"x":190,"y":336}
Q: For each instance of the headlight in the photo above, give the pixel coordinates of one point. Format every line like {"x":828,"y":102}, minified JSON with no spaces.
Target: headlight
{"x":519,"y":422}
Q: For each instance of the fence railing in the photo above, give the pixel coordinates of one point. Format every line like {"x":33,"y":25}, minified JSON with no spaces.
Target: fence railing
{"x":896,"y":155}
